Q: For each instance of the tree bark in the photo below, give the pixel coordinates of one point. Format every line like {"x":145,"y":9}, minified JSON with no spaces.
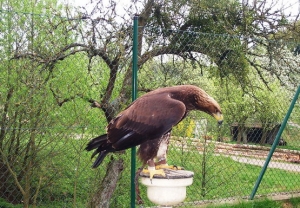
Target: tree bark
{"x":240,"y":130}
{"x":104,"y":193}
{"x":263,"y":137}
{"x":102,"y":196}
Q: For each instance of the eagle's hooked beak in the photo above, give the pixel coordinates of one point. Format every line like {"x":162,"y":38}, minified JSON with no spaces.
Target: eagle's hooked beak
{"x":219,"y":117}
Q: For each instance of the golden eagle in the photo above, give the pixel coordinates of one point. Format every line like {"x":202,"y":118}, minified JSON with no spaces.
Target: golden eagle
{"x":148,"y":122}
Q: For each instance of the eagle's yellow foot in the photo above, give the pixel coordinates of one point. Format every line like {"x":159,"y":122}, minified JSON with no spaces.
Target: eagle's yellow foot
{"x":153,"y":172}
{"x":166,"y":166}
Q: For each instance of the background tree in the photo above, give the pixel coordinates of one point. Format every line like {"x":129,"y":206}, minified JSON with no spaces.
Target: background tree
{"x":32,"y":97}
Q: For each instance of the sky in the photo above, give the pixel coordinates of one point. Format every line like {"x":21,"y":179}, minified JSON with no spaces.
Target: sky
{"x":292,"y":6}
{"x":289,"y":6}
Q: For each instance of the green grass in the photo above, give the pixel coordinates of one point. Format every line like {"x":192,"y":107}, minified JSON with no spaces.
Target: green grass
{"x":225,"y":177}
{"x":266,"y":203}
{"x":4,"y":204}
{"x":254,"y":204}
{"x":68,"y":176}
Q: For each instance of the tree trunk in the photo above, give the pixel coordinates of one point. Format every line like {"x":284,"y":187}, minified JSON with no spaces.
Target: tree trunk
{"x":245,"y":139}
{"x":104,"y":193}
{"x":240,"y":130}
{"x":263,"y":137}
{"x":102,"y":196}
{"x":7,"y":189}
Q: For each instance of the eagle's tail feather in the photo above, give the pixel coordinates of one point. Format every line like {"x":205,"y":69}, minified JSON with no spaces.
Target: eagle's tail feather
{"x":99,"y":159}
{"x":96,"y":142}
{"x":102,"y":149}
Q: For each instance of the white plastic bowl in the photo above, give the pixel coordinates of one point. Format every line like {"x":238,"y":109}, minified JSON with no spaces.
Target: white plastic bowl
{"x":168,"y":191}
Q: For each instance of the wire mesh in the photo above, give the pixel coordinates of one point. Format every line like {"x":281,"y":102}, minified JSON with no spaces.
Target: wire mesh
{"x":226,"y":160}
{"x":63,"y":78}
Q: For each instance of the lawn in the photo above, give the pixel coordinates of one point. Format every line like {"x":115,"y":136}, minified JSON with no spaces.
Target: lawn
{"x":265,"y":203}
{"x":220,"y":177}
{"x":216,"y":177}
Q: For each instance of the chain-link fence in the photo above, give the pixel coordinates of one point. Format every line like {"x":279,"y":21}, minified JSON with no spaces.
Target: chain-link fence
{"x":228,"y":160}
{"x":62,"y":79}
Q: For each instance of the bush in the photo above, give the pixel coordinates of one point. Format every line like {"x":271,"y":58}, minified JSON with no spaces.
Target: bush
{"x":5,"y":204}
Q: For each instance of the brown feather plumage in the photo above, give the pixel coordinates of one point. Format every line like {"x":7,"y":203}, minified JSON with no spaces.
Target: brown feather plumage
{"x":153,"y":115}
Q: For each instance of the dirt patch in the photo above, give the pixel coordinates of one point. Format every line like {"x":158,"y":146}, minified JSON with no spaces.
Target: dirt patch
{"x":244,"y":150}
{"x":254,"y":151}
{"x":287,"y":205}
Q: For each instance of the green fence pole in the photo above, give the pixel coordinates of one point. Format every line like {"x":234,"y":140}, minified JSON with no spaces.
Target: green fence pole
{"x":134,"y":96}
{"x":282,"y":127}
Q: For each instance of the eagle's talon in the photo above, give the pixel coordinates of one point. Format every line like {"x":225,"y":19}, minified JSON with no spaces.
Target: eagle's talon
{"x":172,"y":167}
{"x":178,"y":167}
{"x":154,"y":172}
{"x":175,"y":167}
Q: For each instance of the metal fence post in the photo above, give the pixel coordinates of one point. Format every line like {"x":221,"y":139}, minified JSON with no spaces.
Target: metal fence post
{"x":282,"y":127}
{"x":134,"y":96}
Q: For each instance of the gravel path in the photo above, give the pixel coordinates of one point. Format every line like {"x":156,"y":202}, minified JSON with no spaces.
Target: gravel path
{"x":284,"y":159}
{"x":272,"y":164}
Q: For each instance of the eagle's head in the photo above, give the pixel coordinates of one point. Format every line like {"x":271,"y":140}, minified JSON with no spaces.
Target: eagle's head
{"x":207,"y":104}
{"x":214,"y":110}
